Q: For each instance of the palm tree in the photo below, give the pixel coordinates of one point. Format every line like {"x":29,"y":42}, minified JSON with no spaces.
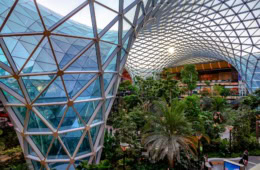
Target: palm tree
{"x":168,"y":132}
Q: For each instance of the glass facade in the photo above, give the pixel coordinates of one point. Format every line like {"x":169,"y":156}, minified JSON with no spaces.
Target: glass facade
{"x":60,"y":68}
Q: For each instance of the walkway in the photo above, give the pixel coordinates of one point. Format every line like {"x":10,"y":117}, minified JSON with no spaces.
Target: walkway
{"x":253,"y":161}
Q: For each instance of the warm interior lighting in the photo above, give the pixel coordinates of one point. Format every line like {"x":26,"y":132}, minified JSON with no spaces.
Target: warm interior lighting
{"x":171,"y":50}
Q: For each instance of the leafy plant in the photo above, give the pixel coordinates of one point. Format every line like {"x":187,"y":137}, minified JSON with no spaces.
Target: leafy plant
{"x":218,"y":103}
{"x":104,"y":164}
{"x":189,"y":76}
{"x":168,"y":132}
{"x":23,"y":166}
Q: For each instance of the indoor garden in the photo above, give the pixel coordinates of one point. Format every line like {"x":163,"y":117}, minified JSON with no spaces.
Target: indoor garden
{"x":129,"y":84}
{"x":152,"y":127}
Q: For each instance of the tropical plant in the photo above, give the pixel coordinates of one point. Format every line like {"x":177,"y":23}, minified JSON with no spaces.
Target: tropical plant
{"x":221,"y":91}
{"x":225,"y":92}
{"x":252,"y":101}
{"x":168,"y":132}
{"x":218,"y":103}
{"x":192,"y":109}
{"x":128,"y":96}
{"x":189,"y":76}
{"x":84,"y":165}
{"x":206,"y":103}
{"x":207,"y":83}
{"x":168,"y":87}
{"x":110,"y":146}
{"x":243,"y":130}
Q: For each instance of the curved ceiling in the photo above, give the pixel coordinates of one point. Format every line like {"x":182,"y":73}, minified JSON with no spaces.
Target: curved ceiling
{"x":199,"y":31}
{"x":60,"y":67}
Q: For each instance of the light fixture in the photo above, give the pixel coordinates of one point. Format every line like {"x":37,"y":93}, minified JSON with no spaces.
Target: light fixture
{"x":171,"y":50}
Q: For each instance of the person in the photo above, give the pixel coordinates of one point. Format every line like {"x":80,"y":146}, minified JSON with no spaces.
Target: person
{"x":207,"y":164}
{"x":244,"y":159}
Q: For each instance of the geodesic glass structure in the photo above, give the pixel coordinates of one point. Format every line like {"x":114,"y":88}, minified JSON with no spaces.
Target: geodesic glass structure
{"x":60,"y":67}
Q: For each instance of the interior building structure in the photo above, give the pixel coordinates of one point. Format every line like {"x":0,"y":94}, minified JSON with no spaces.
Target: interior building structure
{"x":60,"y":68}
{"x":215,"y":73}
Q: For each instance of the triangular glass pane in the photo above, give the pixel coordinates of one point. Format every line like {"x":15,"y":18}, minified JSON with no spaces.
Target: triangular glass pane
{"x":93,"y":91}
{"x":86,"y":109}
{"x":127,"y":3}
{"x":94,"y":133}
{"x":21,"y":47}
{"x":4,"y":10}
{"x":4,"y":72}
{"x":20,"y":112}
{"x":71,"y":120}
{"x":2,"y":57}
{"x":71,"y":167}
{"x":84,"y":147}
{"x":35,"y":84}
{"x":12,"y":84}
{"x":145,"y":2}
{"x":113,"y":4}
{"x":75,"y":82}
{"x":82,"y":20}
{"x":86,"y":62}
{"x":42,"y":142}
{"x":42,"y":59}
{"x":36,"y":165}
{"x":30,"y":150}
{"x":122,"y":54}
{"x":130,"y":15}
{"x":106,"y":50}
{"x":100,"y":141}
{"x":112,"y":65}
{"x":53,"y":11}
{"x":126,"y":44}
{"x":107,"y":103}
{"x":141,"y":13}
{"x":111,"y":92}
{"x":10,"y":98}
{"x":57,"y":151}
{"x":107,"y":79}
{"x":58,"y":165}
{"x":112,"y":34}
{"x":102,"y":12}
{"x":52,"y":114}
{"x":126,"y":28}
{"x":24,"y":18}
{"x":99,"y":117}
{"x":71,"y":140}
{"x":54,"y":93}
{"x":35,"y":124}
{"x":66,"y":48}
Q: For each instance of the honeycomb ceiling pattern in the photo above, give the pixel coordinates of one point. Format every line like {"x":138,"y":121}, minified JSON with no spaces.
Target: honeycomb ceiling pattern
{"x":59,"y":76}
{"x":200,"y":31}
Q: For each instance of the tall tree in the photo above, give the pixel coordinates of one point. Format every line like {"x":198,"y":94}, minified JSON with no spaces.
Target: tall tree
{"x":189,"y":76}
{"x":168,"y":88}
{"x":168,"y":132}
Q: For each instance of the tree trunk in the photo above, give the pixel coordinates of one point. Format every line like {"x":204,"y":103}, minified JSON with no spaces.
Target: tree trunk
{"x":171,"y":162}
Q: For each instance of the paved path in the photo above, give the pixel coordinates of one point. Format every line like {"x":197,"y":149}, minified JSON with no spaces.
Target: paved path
{"x":225,"y":135}
{"x":253,"y":161}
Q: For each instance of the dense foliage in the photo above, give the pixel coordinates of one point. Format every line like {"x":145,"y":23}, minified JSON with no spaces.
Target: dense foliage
{"x":163,"y":129}
{"x":168,"y":132}
{"x":11,"y":156}
{"x":189,"y":76}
